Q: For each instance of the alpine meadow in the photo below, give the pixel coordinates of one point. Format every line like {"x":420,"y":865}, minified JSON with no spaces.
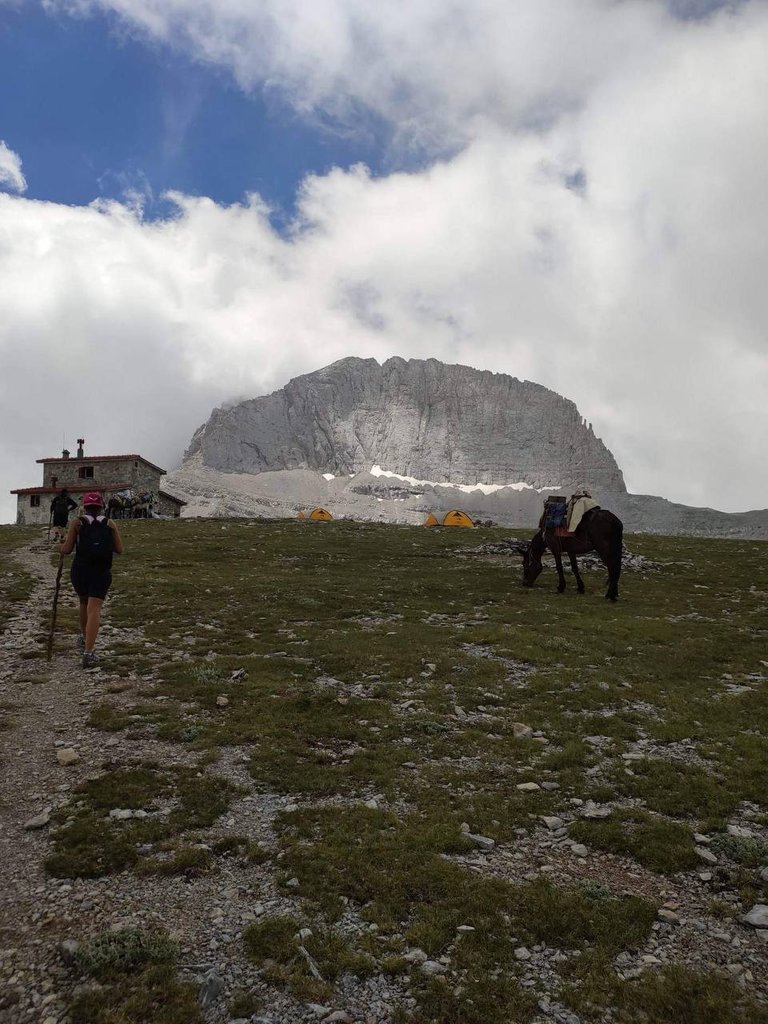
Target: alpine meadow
{"x":356,"y":772}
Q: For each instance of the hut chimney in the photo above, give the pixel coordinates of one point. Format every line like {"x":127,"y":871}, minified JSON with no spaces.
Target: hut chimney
{"x":65,"y":453}
{"x":80,"y":443}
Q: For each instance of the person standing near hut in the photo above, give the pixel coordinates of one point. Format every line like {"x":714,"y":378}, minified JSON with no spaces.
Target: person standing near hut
{"x":95,"y":539}
{"x":61,"y":506}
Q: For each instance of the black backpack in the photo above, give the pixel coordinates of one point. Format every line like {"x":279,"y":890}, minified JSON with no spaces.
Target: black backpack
{"x":61,"y":504}
{"x":95,"y":542}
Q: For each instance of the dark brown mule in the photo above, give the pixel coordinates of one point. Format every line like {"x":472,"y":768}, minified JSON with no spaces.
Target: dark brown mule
{"x":599,"y":531}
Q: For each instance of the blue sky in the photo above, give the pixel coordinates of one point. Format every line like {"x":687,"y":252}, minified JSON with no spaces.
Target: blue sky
{"x":568,"y":191}
{"x":96,"y":110}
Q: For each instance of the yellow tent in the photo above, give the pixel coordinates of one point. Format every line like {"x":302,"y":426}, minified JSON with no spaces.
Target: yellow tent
{"x":430,"y":521}
{"x":301,"y":515}
{"x":457,"y":518}
{"x":322,"y":514}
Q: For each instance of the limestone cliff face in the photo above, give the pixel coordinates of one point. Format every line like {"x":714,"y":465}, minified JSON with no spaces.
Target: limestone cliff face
{"x":417,"y":418}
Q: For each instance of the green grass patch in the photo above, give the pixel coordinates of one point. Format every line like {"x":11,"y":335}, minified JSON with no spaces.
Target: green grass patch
{"x":90,"y":843}
{"x":654,"y":841}
{"x":136,"y":978}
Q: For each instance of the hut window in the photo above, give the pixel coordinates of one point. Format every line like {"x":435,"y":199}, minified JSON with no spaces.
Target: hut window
{"x":85,"y":472}
{"x":34,"y":500}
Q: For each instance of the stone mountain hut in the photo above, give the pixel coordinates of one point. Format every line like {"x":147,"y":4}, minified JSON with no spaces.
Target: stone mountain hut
{"x":80,"y":474}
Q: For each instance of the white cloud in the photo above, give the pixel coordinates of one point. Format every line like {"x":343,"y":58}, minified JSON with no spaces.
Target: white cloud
{"x":638,"y":292}
{"x":10,"y":170}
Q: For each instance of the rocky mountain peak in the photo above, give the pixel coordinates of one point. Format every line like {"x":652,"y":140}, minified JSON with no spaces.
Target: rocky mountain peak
{"x":416,"y":418}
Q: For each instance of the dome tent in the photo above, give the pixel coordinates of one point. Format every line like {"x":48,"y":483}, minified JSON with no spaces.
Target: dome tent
{"x":457,"y":518}
{"x":431,"y":520}
{"x":321,"y":514}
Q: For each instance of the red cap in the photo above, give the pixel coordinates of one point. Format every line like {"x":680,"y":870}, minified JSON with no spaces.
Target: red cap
{"x":93,"y":498}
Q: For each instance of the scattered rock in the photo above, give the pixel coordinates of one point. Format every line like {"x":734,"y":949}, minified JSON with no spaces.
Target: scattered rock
{"x":39,"y":821}
{"x":433,"y":967}
{"x":595,"y":811}
{"x":552,"y":822}
{"x":579,"y":850}
{"x":668,"y":916}
{"x":706,"y":855}
{"x":415,"y":956}
{"x":528,"y":787}
{"x":758,"y":916}
{"x":211,"y":988}
{"x":222,"y":701}
{"x":69,"y":948}
{"x":120,"y":813}
{"x":482,"y":842}
{"x":521,"y":731}
{"x":67,"y":755}
{"x":522,"y":953}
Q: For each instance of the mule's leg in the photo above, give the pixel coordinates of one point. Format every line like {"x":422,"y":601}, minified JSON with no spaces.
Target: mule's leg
{"x":612,"y":561}
{"x":575,"y":570}
{"x":614,"y":571}
{"x":560,"y":573}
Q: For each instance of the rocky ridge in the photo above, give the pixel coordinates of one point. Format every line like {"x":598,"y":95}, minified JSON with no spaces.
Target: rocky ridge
{"x":416,"y":418}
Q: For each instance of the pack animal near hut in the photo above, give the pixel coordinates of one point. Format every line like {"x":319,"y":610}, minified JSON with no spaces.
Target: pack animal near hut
{"x":110,"y":474}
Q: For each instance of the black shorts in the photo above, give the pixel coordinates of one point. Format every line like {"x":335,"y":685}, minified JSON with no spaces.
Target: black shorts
{"x":90,"y":581}
{"x":60,"y":521}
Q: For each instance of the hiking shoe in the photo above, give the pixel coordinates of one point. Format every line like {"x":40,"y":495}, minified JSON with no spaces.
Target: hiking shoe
{"x":90,"y":659}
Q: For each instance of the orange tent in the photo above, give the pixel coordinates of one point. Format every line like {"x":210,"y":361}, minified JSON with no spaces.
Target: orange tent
{"x":430,"y":521}
{"x":301,"y":515}
{"x":321,"y":514}
{"x":457,"y":518}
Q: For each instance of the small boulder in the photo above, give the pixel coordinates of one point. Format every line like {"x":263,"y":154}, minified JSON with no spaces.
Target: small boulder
{"x":528,"y":787}
{"x":521,"y":731}
{"x":433,"y":967}
{"x":668,"y":916}
{"x":67,"y":755}
{"x":481,"y":842}
{"x":595,"y":812}
{"x":758,"y":916}
{"x":706,"y":855}
{"x":552,"y":822}
{"x":39,"y":821}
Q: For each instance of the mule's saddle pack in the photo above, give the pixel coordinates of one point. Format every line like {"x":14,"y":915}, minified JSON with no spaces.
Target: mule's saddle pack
{"x":563,"y":515}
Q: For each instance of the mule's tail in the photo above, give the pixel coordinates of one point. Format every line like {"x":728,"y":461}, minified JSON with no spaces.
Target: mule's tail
{"x":616,"y":546}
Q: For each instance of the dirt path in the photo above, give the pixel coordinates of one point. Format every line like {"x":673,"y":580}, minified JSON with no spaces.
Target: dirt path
{"x":45,"y":705}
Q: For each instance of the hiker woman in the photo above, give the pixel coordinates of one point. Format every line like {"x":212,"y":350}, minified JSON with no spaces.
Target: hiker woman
{"x":94,"y":539}
{"x":61,"y":506}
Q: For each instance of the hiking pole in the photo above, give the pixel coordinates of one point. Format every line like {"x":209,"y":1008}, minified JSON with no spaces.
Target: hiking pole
{"x":55,"y":604}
